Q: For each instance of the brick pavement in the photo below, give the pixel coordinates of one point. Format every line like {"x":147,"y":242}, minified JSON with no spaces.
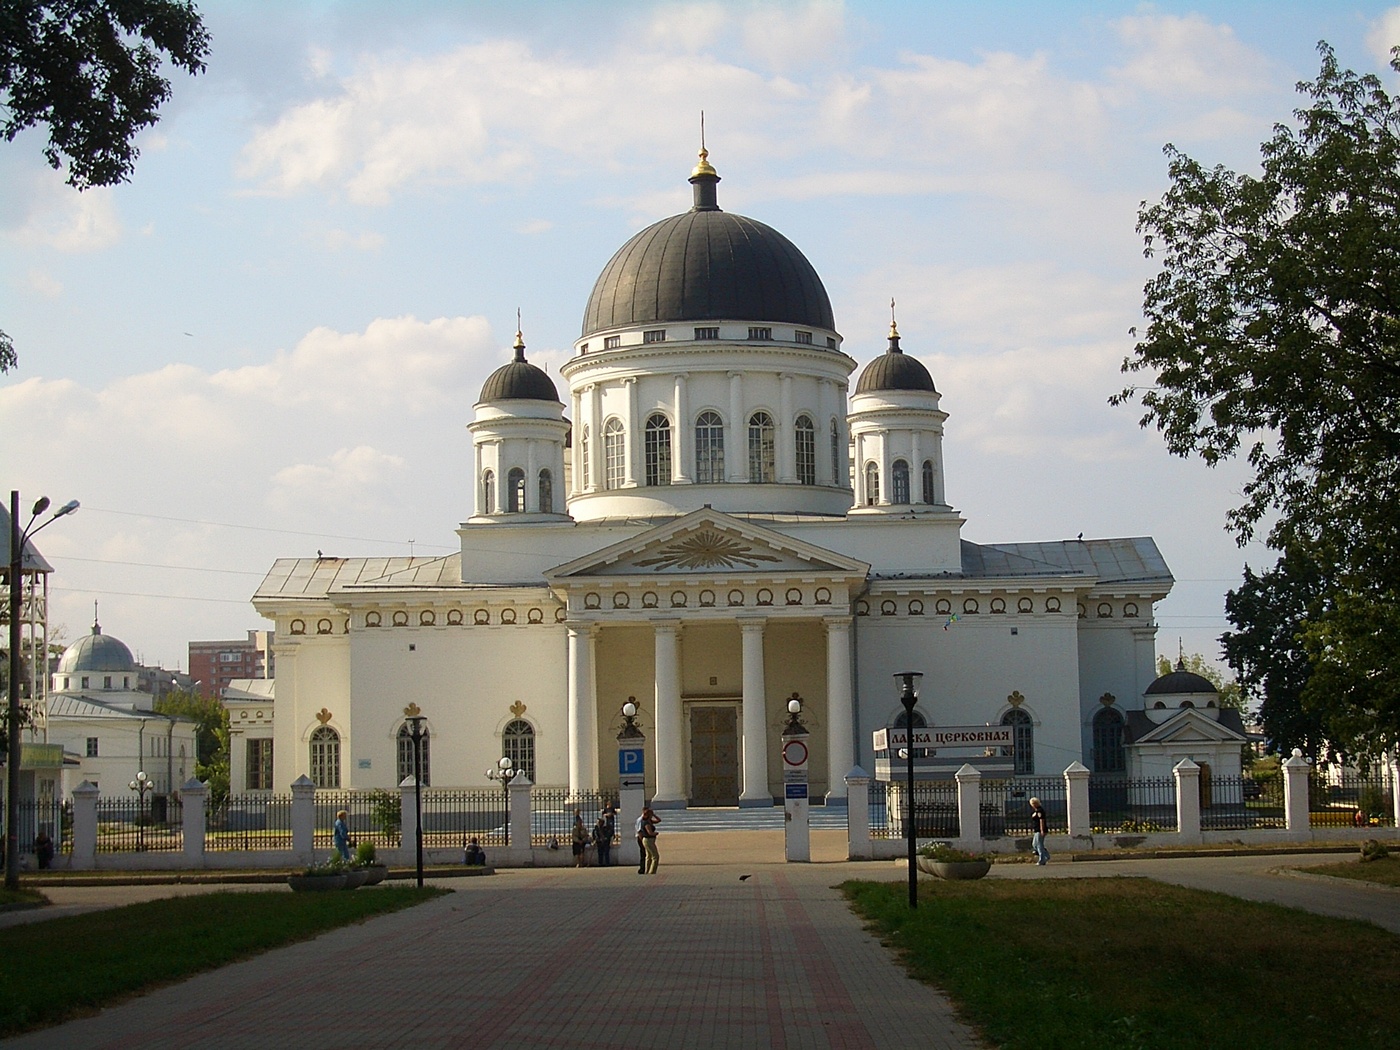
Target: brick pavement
{"x":600,"y":958}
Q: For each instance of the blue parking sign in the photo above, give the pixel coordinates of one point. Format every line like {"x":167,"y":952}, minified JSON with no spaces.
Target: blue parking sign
{"x":630,"y":762}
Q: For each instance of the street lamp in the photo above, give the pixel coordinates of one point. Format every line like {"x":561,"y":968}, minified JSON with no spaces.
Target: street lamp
{"x":415,"y":732}
{"x":505,"y":772}
{"x":141,"y":785}
{"x":908,"y":697}
{"x":18,"y":538}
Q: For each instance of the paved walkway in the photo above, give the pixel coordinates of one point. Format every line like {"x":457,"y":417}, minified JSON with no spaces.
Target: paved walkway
{"x":602,"y":959}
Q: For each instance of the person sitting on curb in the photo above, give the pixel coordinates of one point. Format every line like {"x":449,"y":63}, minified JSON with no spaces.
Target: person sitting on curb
{"x":473,"y":855}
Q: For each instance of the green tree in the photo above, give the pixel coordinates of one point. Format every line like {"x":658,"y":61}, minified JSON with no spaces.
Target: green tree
{"x":1226,"y":688}
{"x":91,"y":72}
{"x":211,"y":737}
{"x":1273,"y":330}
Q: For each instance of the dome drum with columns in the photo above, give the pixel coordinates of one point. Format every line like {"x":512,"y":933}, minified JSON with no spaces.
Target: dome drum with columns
{"x":683,"y":528}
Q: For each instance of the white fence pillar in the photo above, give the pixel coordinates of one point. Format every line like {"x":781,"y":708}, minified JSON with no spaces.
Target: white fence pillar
{"x":1395,"y":788}
{"x":304,"y":819}
{"x":84,"y":827}
{"x":630,"y":801}
{"x":519,"y":816}
{"x":1295,"y":794}
{"x":1077,"y":800}
{"x":858,"y":815}
{"x":1188,"y":800}
{"x":408,"y":822}
{"x":969,"y":808}
{"x":193,"y":799}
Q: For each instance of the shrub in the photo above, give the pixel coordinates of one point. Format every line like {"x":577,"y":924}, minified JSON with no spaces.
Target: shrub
{"x":365,"y":854}
{"x":943,"y":853}
{"x":1374,"y":849}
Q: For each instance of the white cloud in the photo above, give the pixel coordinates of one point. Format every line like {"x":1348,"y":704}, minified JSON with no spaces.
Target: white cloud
{"x":1384,"y":35}
{"x":68,"y":221}
{"x":534,"y":227}
{"x":344,"y":240}
{"x":1173,"y":56}
{"x":41,"y":282}
{"x":341,"y":479}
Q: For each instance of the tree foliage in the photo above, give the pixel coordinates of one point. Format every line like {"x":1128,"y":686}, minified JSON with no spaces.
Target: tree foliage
{"x":91,"y":71}
{"x":211,"y":736}
{"x":1273,"y":331}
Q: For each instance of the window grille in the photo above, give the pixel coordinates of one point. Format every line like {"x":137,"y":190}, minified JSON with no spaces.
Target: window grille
{"x":614,"y":446}
{"x":761,"y":334}
{"x":546,"y":492}
{"x":518,"y":745}
{"x":762,"y":448}
{"x":325,"y":758}
{"x":709,"y":449}
{"x":655,"y":335}
{"x":928,"y":481}
{"x":515,"y":481}
{"x":658,"y":450}
{"x":1022,"y":749}
{"x":806,"y":451}
{"x":405,"y":755}
{"x":900,"y":471}
{"x":707,"y":333}
{"x":872,"y":484}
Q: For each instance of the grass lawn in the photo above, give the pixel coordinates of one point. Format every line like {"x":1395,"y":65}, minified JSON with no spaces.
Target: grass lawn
{"x":61,"y":968}
{"x":1129,"y":964}
{"x":1385,"y":871}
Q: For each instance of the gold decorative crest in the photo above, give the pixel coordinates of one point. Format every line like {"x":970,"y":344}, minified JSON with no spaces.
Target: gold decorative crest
{"x":517,"y":709}
{"x":1108,"y":699}
{"x":323,"y":716}
{"x":412,"y":711}
{"x":707,"y":549}
{"x":1016,"y":699}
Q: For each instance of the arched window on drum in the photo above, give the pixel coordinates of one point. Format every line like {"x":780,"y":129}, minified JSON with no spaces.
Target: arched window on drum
{"x":518,"y":745}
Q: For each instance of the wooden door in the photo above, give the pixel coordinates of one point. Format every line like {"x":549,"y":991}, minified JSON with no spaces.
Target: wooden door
{"x":714,"y":756}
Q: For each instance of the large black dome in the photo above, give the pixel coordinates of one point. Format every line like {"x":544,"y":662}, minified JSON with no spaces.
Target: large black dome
{"x":707,"y":265}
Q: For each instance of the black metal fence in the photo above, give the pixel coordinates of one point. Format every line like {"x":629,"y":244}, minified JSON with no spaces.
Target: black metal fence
{"x":127,"y":825}
{"x":1006,"y":806}
{"x":371,"y":816}
{"x":1351,"y":799}
{"x":935,"y":810}
{"x":248,"y":822}
{"x":47,"y":815}
{"x":451,"y":818}
{"x":1132,"y":806}
{"x":553,"y":809}
{"x":1241,"y":803}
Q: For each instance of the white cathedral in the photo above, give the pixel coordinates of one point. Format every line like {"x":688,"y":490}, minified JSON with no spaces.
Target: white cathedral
{"x":710,"y":522}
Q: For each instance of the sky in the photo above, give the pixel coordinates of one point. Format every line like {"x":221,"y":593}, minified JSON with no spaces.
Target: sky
{"x":270,"y":340}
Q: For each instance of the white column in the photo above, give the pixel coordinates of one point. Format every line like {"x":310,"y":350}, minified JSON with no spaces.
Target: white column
{"x":886,"y":473}
{"x":736,"y":450}
{"x":595,"y":437}
{"x":840,"y":717}
{"x":576,"y":451}
{"x":670,"y":764}
{"x":531,"y":503}
{"x":632,"y":435}
{"x":916,"y":468}
{"x":787,"y":444}
{"x":582,"y":745}
{"x":681,"y":456}
{"x":502,"y":482}
{"x":756,"y":791}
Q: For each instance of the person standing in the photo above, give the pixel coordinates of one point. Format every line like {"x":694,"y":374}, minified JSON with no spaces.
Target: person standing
{"x":1039,"y":829}
{"x":341,"y":834}
{"x":580,"y":842}
{"x":646,"y":840}
{"x":602,"y":838}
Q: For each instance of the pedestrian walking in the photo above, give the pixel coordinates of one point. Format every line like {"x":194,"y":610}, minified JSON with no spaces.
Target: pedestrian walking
{"x":1039,"y":829}
{"x":341,"y":834}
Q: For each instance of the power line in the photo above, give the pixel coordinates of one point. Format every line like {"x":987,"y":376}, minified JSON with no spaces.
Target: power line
{"x":154,"y":565}
{"x":146,"y":594}
{"x":259,"y":528}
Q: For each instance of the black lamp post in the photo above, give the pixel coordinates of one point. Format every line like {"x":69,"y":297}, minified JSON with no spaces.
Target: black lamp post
{"x":909,"y":697}
{"x":415,"y":733}
{"x":141,"y":785}
{"x":505,"y":772}
{"x":18,"y":538}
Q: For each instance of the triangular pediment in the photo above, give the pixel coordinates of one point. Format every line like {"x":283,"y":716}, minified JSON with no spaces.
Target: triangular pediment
{"x":709,"y":542}
{"x":1190,"y":726}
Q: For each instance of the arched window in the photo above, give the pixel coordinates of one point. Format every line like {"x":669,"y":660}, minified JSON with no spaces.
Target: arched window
{"x":325,"y":757}
{"x":613,"y":449}
{"x":1022,"y":748}
{"x":658,"y":450}
{"x":928,"y":481}
{"x":405,"y":751}
{"x":709,"y":449}
{"x":901,"y":720}
{"x":518,"y":745}
{"x":762,"y":450}
{"x":836,"y":458}
{"x":583,"y":455}
{"x":546,"y":492}
{"x":488,"y":492}
{"x":515,"y":495}
{"x":806,"y":451}
{"x":900,"y":478}
{"x":1109,"y":756}
{"x":872,"y":484}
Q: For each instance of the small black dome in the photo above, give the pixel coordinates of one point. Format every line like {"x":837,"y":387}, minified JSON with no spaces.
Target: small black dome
{"x":894,"y":370}
{"x":1180,"y":681}
{"x":707,"y":265}
{"x":519,"y":380}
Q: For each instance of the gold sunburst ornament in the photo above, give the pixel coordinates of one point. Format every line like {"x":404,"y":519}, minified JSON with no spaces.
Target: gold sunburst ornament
{"x":706,"y":549}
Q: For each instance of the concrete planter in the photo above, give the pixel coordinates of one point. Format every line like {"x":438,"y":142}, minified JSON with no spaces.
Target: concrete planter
{"x":356,"y":877}
{"x":375,"y":873}
{"x":954,"y":869}
{"x":316,"y":883}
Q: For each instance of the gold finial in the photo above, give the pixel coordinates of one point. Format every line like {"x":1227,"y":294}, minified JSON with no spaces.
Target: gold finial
{"x":894,"y":328}
{"x":517,"y":709}
{"x":704,"y":167}
{"x":323,"y":716}
{"x":412,"y":711}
